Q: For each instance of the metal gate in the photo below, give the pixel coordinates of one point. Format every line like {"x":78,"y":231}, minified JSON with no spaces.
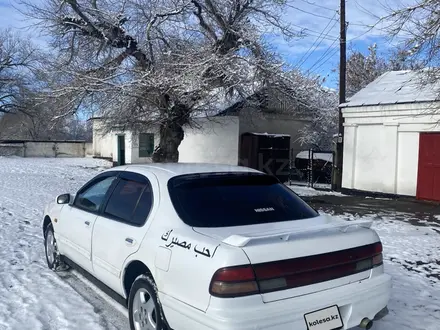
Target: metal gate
{"x":311,"y":168}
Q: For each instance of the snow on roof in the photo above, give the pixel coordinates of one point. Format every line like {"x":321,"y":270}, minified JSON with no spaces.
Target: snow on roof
{"x":218,"y":102}
{"x":271,"y":135}
{"x":174,"y":169}
{"x":395,"y":87}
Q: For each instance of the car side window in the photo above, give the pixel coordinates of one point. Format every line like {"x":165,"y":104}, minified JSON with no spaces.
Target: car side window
{"x":130,"y":202}
{"x":144,"y":207}
{"x":91,"y":198}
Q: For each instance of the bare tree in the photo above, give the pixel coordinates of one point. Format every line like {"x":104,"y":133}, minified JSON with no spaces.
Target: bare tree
{"x":17,"y":56}
{"x":416,"y":28}
{"x":26,"y":108}
{"x":158,"y":63}
{"x":40,"y":120}
{"x":320,"y":105}
{"x":363,"y":69}
{"x":418,"y":25}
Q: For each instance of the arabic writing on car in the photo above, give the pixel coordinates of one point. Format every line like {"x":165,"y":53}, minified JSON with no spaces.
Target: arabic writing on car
{"x":175,"y":242}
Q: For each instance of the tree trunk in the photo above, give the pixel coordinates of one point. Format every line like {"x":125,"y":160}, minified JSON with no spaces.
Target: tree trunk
{"x":174,"y":118}
{"x":171,"y":135}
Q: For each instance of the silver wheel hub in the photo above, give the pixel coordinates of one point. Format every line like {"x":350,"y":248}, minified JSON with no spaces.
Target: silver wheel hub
{"x":51,"y":248}
{"x":144,"y":311}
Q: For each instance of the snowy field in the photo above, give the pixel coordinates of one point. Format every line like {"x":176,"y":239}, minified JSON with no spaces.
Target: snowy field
{"x":35,"y":298}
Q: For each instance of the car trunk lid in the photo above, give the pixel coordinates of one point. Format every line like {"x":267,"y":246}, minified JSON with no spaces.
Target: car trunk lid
{"x":304,"y":256}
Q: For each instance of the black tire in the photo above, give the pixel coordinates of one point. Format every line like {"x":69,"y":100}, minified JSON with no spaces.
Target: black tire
{"x":146,"y":282}
{"x":55,"y":263}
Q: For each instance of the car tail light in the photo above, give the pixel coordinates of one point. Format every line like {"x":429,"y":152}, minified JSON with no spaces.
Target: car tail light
{"x":378,"y":257}
{"x":234,"y":282}
{"x":292,"y":273}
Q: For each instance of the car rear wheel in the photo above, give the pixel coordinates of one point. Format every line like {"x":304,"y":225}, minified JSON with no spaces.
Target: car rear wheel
{"x":144,"y":309}
{"x":53,"y":257}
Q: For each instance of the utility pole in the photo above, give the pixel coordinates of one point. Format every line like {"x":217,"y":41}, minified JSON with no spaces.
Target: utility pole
{"x":337,"y":173}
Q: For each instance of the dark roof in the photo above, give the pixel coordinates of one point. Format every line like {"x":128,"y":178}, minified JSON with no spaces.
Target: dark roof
{"x":259,"y":99}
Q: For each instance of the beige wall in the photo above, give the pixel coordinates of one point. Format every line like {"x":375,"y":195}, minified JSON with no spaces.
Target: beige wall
{"x":280,"y":124}
{"x":102,"y":143}
{"x":216,"y":142}
{"x":12,"y":149}
{"x":70,"y":149}
{"x":44,"y":149}
{"x":106,"y":145}
{"x":135,"y":159}
{"x":39,"y":149}
{"x":89,"y":149}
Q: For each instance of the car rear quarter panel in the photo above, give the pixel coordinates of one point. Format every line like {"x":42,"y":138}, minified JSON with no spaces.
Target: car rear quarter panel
{"x":194,"y":259}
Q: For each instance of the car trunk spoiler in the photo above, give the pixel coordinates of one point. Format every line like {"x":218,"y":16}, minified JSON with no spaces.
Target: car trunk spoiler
{"x":242,"y":240}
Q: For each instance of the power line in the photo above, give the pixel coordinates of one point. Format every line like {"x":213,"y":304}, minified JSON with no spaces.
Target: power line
{"x":316,"y":33}
{"x":313,"y":47}
{"x":328,"y":54}
{"x":319,"y":6}
{"x":323,"y":56}
{"x":335,"y":51}
{"x":358,"y":24}
{"x":310,"y":13}
{"x":320,"y":37}
{"x":323,"y":37}
{"x":361,"y":35}
{"x":363,"y":9}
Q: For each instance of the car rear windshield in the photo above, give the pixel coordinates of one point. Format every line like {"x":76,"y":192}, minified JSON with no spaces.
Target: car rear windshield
{"x":235,"y":199}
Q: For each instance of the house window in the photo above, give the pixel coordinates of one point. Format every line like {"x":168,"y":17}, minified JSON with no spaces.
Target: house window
{"x":146,"y":144}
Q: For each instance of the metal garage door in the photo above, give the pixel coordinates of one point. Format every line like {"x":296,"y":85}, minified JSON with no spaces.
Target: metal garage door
{"x":428,"y":181}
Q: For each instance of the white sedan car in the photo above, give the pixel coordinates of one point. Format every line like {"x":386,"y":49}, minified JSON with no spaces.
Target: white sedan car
{"x":218,"y":247}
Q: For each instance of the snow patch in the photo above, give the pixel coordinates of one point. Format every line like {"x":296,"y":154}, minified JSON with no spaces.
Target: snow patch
{"x":34,"y":297}
{"x":412,"y":258}
{"x":307,"y":191}
{"x":271,"y":135}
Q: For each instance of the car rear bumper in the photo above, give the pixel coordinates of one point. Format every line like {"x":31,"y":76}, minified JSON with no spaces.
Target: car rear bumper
{"x":356,"y":301}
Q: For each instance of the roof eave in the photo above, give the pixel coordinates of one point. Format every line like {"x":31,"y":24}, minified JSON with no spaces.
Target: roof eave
{"x":348,"y":105}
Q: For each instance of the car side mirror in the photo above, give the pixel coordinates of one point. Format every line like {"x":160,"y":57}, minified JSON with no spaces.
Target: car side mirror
{"x":63,"y":199}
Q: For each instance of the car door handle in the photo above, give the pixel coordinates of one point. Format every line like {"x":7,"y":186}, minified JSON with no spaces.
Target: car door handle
{"x":129,"y":241}
{"x":87,"y":223}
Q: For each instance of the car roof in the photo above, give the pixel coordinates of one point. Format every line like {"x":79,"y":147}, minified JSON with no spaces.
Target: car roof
{"x":174,"y":169}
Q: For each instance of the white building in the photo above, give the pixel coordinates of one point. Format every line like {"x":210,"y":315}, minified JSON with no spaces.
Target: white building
{"x":216,"y":140}
{"x":392,"y":137}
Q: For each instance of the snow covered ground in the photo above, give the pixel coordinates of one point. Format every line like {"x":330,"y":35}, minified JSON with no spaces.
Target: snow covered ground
{"x":35,"y":298}
{"x":412,"y":258}
{"x":307,"y":191}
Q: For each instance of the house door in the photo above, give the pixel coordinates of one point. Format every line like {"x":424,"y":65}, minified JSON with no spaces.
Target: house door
{"x":121,"y":149}
{"x":428,"y":180}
